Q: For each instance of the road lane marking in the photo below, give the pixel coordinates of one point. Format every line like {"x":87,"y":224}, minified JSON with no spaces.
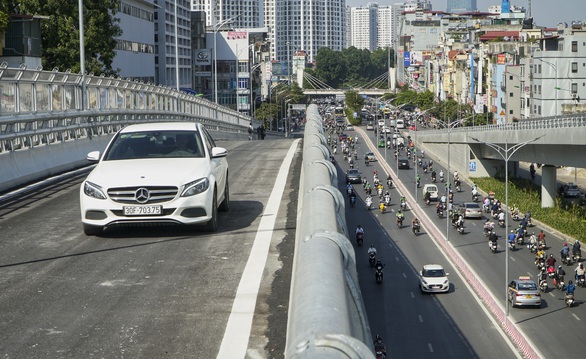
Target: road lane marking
{"x":235,"y":340}
{"x":412,"y":295}
{"x":575,"y":316}
{"x":404,"y":275}
{"x":420,"y":318}
{"x":430,"y":347}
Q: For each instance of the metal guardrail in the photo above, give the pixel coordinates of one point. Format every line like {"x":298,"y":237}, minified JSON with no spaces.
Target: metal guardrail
{"x":327,"y":318}
{"x":544,"y":123}
{"x":42,"y":107}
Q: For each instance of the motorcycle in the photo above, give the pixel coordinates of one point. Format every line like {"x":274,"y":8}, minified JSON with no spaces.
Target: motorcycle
{"x":433,"y":179}
{"x":372,"y":259}
{"x":351,"y":165}
{"x":474,"y":198}
{"x":566,"y":259}
{"x":569,"y":299}
{"x":512,"y":246}
{"x":460,"y":228}
{"x":440,"y":213}
{"x":382,"y":208}
{"x":352,"y":201}
{"x":492,"y":246}
{"x":369,"y":203}
{"x":458,"y":188}
{"x":543,"y":285}
{"x":486,"y":208}
{"x":532,"y":248}
{"x":559,"y":283}
{"x":551,"y":271}
{"x":441,"y":178}
{"x":540,"y":264}
{"x":378,"y":273}
{"x":400,"y":221}
{"x":387,"y":200}
{"x":416,"y":228}
{"x":359,"y":238}
{"x":379,"y":192}
{"x":580,"y":281}
{"x":502,"y":224}
{"x":576,"y":256}
{"x":520,"y":240}
{"x":403,"y":205}
{"x":389,"y":183}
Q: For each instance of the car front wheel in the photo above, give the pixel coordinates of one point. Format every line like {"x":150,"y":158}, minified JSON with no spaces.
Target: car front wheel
{"x":212,"y":224}
{"x":225,"y":205}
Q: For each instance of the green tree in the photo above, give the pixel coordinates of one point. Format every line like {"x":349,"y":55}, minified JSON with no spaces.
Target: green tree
{"x":358,"y":65}
{"x":354,"y":101}
{"x":60,"y":33}
{"x":331,"y":67}
{"x":265,"y":112}
{"x":4,"y":17}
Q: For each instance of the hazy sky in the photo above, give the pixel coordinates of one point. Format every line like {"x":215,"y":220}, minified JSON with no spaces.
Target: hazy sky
{"x":545,"y":12}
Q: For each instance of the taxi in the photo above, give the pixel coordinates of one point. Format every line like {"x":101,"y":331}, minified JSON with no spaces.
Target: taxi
{"x":524,"y":291}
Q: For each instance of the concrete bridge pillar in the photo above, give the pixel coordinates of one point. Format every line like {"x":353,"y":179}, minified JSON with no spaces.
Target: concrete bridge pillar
{"x":548,"y":185}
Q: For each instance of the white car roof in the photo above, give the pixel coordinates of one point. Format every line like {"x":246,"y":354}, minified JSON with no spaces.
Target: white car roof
{"x":432,"y":267}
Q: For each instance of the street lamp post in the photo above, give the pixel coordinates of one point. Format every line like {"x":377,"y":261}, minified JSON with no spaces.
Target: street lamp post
{"x":216,"y":29}
{"x":450,"y":126}
{"x":82,"y":55}
{"x":506,"y":156}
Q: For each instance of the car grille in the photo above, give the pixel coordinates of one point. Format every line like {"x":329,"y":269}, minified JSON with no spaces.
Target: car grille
{"x":142,"y":195}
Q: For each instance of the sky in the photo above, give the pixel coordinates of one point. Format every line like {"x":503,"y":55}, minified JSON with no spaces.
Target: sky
{"x":546,"y":13}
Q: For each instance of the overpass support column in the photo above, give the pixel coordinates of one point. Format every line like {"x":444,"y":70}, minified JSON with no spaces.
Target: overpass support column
{"x":548,"y":185}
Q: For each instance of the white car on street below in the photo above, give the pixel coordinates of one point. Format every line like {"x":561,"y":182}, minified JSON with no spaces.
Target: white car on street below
{"x":153,"y":174}
{"x":433,"y":278}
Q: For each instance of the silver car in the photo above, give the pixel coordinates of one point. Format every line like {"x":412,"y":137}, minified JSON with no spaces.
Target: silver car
{"x":524,"y":291}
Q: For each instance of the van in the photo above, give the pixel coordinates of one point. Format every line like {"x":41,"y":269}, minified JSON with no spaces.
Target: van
{"x":400,"y":123}
{"x":432,"y":189}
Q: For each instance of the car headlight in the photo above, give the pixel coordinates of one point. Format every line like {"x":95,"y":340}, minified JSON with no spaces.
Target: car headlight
{"x":196,"y":187}
{"x":93,"y":190}
{"x":423,"y":281}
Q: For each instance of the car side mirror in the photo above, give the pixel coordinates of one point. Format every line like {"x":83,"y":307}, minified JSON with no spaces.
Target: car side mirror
{"x":218,"y":152}
{"x":93,"y":156}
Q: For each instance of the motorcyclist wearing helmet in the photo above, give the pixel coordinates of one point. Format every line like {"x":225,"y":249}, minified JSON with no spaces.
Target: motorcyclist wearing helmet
{"x":576,"y":247}
{"x":564,"y":251}
{"x":371,"y":249}
{"x":512,"y":237}
{"x":570,"y":288}
{"x":415,"y":222}
{"x":359,"y":230}
{"x":559,"y":274}
{"x":580,"y":271}
{"x":379,"y":347}
{"x":551,"y":261}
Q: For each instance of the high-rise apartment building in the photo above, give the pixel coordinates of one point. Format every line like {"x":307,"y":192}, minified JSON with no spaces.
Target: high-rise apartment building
{"x":373,"y":26}
{"x":167,"y":60}
{"x":459,"y":6}
{"x":245,"y":13}
{"x":303,"y":25}
{"x":364,"y":26}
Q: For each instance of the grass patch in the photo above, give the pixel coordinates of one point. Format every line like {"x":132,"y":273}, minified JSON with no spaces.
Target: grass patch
{"x":568,"y":219}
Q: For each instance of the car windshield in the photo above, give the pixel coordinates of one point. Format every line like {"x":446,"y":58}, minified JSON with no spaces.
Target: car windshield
{"x":472,"y":206}
{"x":434,"y":273}
{"x":527,"y":286}
{"x":156,"y":144}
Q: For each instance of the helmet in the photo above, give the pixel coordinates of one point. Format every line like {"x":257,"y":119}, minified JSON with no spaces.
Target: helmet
{"x":511,"y":231}
{"x":551,"y":256}
{"x":565,"y":244}
{"x":372,"y":246}
{"x":560,"y":267}
{"x":570,"y":282}
{"x":581,"y":265}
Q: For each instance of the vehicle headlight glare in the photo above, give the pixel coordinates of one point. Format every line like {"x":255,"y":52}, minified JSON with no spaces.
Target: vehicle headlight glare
{"x":196,"y":187}
{"x":93,"y":190}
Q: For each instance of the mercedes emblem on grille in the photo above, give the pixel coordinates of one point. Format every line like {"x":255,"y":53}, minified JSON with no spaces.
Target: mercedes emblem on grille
{"x":142,"y":195}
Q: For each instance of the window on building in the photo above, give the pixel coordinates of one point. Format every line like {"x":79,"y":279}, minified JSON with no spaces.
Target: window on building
{"x":574,"y":67}
{"x":574,"y":88}
{"x":574,"y":46}
{"x":510,"y":94}
{"x":510,"y":112}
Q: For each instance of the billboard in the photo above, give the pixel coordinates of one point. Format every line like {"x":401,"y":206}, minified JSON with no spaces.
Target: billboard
{"x":407,"y":59}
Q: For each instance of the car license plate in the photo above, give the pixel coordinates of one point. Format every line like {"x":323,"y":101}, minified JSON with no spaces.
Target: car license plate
{"x":528,"y":296}
{"x":142,"y":210}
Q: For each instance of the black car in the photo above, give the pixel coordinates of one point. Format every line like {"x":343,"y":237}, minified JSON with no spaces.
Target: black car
{"x":353,"y":175}
{"x":403,"y":163}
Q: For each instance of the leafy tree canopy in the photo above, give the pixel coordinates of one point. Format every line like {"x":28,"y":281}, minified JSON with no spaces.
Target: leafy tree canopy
{"x":60,"y":33}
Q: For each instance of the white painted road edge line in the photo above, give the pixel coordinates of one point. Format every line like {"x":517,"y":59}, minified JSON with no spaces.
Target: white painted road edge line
{"x":235,"y":340}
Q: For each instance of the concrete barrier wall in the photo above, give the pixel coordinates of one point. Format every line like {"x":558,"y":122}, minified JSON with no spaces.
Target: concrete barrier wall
{"x":327,"y":318}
